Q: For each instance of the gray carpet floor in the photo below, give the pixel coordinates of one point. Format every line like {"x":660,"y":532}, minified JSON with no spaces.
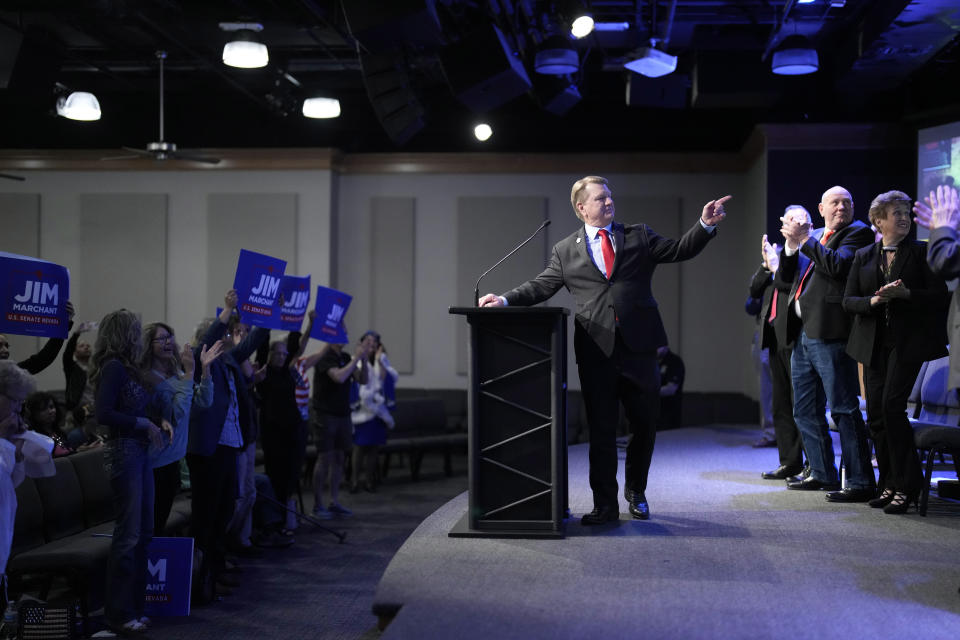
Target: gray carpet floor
{"x":725,"y":555}
{"x":319,"y":588}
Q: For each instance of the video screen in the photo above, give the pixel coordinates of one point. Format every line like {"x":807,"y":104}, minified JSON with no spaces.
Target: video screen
{"x":938,"y":157}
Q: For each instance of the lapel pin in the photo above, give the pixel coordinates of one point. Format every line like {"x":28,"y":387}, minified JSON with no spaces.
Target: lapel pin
{"x":578,"y":240}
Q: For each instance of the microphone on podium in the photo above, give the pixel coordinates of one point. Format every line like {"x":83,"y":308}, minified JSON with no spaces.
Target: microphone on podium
{"x":476,"y":290}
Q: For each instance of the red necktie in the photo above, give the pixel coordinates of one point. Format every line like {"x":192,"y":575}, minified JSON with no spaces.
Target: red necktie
{"x":823,"y":240}
{"x":606,"y":247}
{"x":773,"y":307}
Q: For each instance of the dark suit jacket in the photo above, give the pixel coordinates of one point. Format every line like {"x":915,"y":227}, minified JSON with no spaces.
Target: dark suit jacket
{"x":206,"y":424}
{"x":943,"y":257}
{"x":627,"y":296}
{"x":821,"y":300}
{"x":783,"y":332}
{"x":917,"y":325}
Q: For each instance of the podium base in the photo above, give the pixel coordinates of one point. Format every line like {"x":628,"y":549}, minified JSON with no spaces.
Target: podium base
{"x":462,"y":530}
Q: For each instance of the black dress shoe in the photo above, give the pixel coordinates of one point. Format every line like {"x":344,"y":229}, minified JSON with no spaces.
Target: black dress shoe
{"x":600,"y":515}
{"x":851,"y":495}
{"x":781,"y":473}
{"x":812,"y":484}
{"x":639,"y":508}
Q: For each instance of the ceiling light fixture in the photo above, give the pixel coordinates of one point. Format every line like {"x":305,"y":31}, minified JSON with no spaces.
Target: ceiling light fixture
{"x":244,"y":51}
{"x":321,"y":108}
{"x":652,"y":62}
{"x":79,"y":105}
{"x":794,"y":57}
{"x":556,"y":57}
{"x":482,"y":132}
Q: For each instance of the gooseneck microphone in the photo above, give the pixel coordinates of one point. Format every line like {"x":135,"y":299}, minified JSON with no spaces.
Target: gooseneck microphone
{"x":476,"y":290}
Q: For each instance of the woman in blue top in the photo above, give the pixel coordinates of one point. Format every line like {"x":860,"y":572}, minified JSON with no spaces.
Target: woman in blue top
{"x":120,"y":407}
{"x":168,"y":376}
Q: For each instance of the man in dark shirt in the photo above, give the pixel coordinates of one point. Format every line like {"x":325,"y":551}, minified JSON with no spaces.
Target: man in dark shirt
{"x":331,"y":403}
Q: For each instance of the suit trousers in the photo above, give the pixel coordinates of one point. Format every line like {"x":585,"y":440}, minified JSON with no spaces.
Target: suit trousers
{"x":888,"y":384}
{"x":630,"y":378}
{"x":789,"y":442}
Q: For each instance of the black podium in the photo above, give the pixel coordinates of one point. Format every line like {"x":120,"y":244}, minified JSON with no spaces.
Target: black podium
{"x":516,"y":411}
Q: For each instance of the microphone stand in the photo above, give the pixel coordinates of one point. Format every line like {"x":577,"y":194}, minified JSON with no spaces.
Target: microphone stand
{"x":476,"y":289}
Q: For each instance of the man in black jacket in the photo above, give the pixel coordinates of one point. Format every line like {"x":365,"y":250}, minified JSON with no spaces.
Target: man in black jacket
{"x":813,"y":269}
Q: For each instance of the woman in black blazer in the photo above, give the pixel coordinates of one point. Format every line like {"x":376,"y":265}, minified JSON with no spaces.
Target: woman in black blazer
{"x":899,"y":320}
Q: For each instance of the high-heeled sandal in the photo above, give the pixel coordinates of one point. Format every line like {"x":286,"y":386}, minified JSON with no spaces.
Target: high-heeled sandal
{"x":883,"y":499}
{"x":901,"y":503}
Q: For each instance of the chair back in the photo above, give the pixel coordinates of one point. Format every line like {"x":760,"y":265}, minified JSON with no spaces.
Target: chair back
{"x":28,"y":524}
{"x":938,"y":404}
{"x":62,"y":501}
{"x":98,"y":504}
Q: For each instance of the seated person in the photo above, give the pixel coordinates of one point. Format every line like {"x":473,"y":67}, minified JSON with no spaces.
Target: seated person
{"x":45,"y":416}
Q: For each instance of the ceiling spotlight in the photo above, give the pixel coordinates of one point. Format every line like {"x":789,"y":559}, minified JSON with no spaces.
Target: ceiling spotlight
{"x":244,"y":50}
{"x":321,"y":108}
{"x":482,"y":132}
{"x":79,"y":105}
{"x":652,"y":63}
{"x":582,"y":26}
{"x":794,"y":57}
{"x":556,"y":57}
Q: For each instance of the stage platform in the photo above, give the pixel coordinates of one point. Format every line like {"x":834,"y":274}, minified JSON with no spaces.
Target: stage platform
{"x":725,"y":554}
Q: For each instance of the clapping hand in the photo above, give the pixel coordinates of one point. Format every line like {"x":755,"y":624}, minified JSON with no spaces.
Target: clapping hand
{"x":940,"y":209}
{"x":209,"y":354}
{"x":186,"y":360}
{"x":713,"y":212}
{"x":794,"y":231}
{"x":893,"y":290}
{"x":769,"y":255}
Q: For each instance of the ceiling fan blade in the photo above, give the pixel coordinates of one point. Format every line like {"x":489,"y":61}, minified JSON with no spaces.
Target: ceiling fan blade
{"x":180,"y":155}
{"x":9,"y":176}
{"x":131,"y":155}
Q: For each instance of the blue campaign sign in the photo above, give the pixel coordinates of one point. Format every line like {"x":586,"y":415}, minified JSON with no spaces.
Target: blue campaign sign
{"x":331,"y":307}
{"x":169,"y":572}
{"x":34,"y":296}
{"x":258,"y":287}
{"x":296,"y":298}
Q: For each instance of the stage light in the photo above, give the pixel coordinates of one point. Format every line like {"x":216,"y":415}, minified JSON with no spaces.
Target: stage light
{"x":794,"y":57}
{"x":482,"y":132}
{"x":556,"y":57}
{"x":582,"y":26}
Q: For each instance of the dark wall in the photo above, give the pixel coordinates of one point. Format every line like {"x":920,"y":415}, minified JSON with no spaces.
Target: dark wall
{"x":801,"y":177}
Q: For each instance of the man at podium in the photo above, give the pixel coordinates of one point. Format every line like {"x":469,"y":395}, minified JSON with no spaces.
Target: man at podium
{"x":608,"y":268}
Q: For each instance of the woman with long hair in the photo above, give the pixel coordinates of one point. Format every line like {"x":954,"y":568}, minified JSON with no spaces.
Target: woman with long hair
{"x":120,"y":407}
{"x":168,"y":375}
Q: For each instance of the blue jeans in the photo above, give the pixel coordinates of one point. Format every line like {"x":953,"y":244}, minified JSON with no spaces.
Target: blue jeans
{"x":824,"y":364}
{"x":131,"y":478}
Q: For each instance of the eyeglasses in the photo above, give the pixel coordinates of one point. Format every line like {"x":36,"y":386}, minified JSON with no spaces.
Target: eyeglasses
{"x":163,"y":339}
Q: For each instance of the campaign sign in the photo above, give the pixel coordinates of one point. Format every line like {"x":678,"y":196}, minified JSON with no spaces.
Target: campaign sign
{"x":296,"y":297}
{"x":331,"y":307}
{"x":169,"y":573}
{"x":34,"y":296}
{"x":258,"y":287}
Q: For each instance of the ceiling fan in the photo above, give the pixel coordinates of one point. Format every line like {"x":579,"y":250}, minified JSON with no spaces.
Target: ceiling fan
{"x":162,"y":149}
